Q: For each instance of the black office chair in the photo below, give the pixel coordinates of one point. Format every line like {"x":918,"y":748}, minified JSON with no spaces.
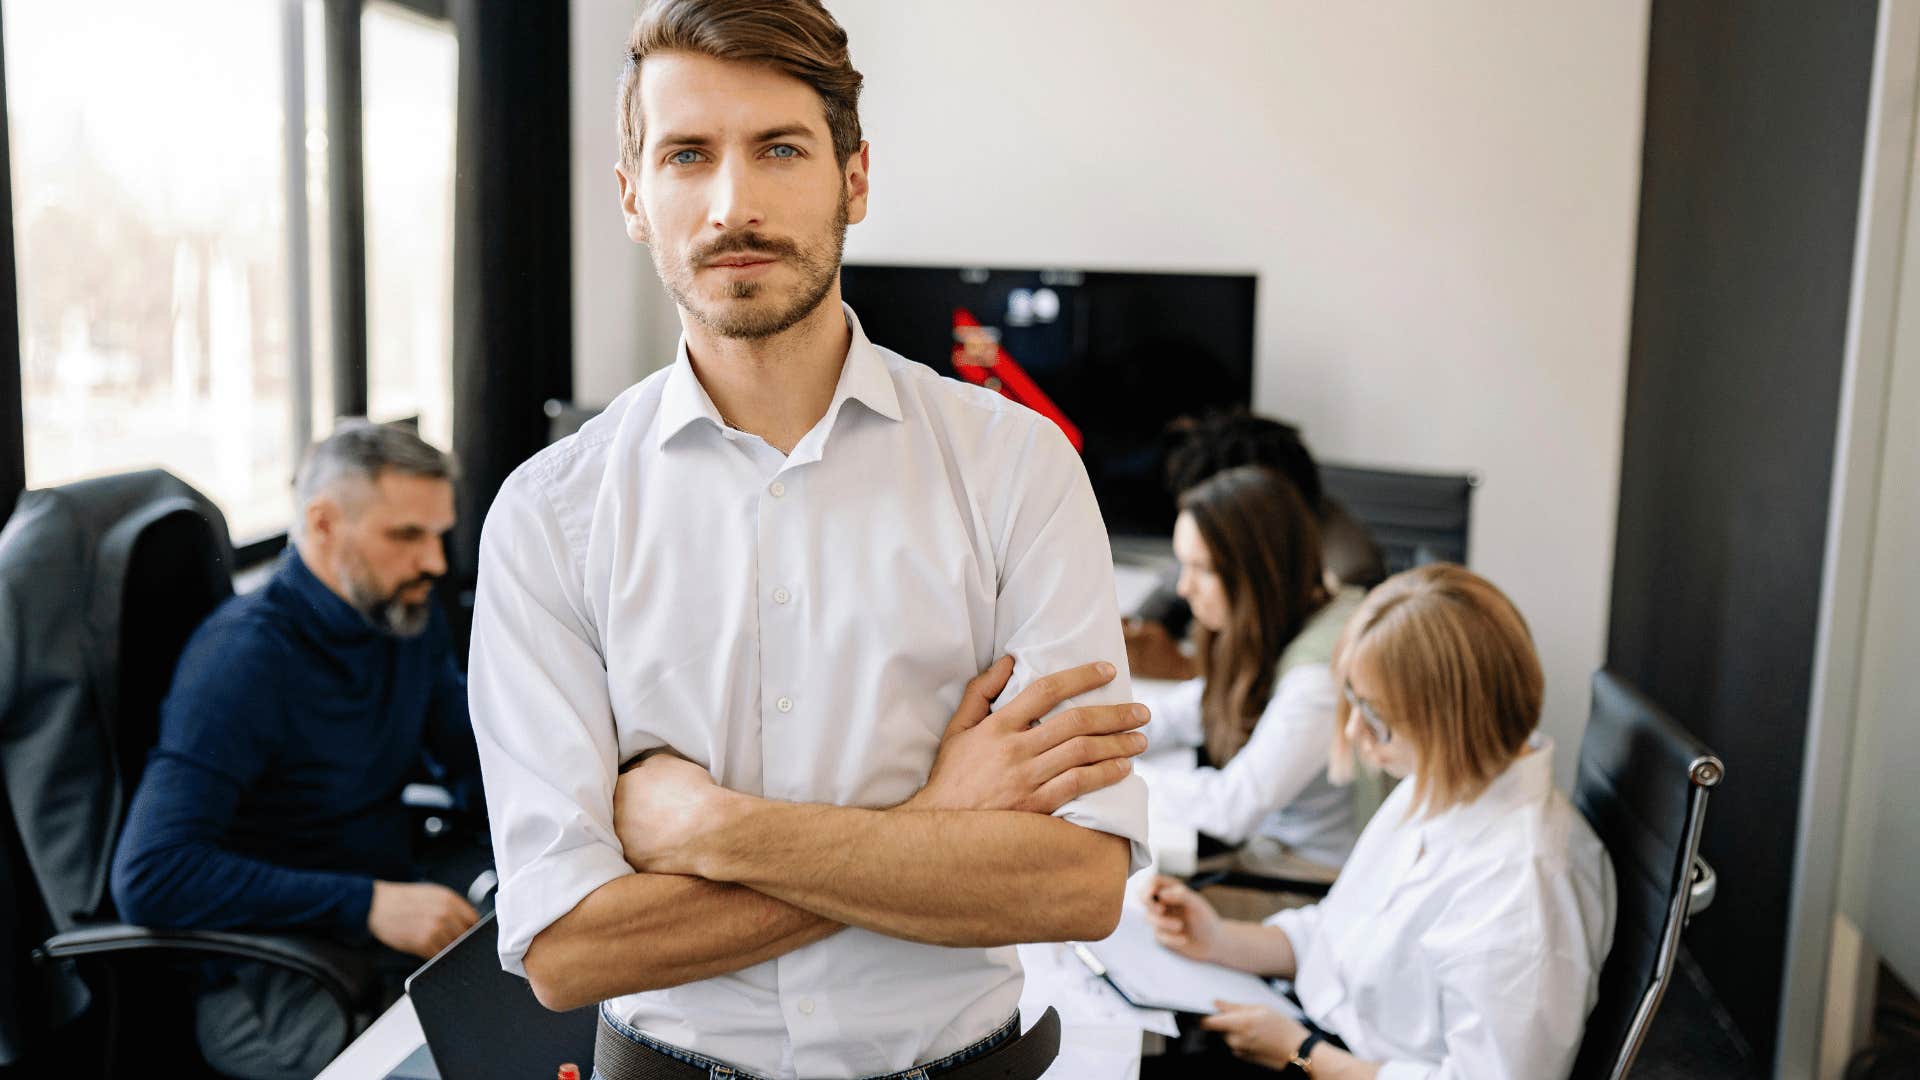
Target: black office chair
{"x":113,"y":576}
{"x":1415,"y":518}
{"x":1643,"y":784}
{"x":564,"y":418}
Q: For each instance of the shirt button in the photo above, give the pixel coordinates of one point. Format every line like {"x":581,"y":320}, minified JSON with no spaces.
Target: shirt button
{"x":806,"y":1006}
{"x":781,"y":596}
{"x":785,"y":704}
{"x":777,"y":488}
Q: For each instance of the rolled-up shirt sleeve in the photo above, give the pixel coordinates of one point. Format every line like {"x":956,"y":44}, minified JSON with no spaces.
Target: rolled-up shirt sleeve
{"x":542,"y":719}
{"x":1057,"y":608}
{"x":1302,"y":927}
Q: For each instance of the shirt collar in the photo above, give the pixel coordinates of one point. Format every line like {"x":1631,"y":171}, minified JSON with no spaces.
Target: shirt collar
{"x":1527,"y":781}
{"x":863,"y":377}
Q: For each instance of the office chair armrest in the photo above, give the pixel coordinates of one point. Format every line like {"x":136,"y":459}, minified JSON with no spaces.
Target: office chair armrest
{"x":423,"y":796}
{"x":1703,"y":887}
{"x":438,"y":814}
{"x":346,"y":976}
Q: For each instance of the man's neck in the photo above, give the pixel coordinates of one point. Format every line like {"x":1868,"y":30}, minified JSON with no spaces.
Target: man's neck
{"x":778,"y":387}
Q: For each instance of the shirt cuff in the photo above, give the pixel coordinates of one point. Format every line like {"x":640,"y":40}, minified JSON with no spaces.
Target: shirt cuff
{"x":1299,"y":925}
{"x":355,"y":906}
{"x":539,"y":893}
{"x":1120,"y":809}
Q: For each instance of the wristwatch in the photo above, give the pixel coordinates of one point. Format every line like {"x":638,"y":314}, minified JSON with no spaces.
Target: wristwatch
{"x":1300,"y":1057}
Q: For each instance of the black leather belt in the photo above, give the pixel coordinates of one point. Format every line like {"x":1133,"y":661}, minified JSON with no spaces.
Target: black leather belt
{"x":617,"y":1057}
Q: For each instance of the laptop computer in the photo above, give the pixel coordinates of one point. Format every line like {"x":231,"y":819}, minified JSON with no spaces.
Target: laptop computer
{"x":482,"y":1023}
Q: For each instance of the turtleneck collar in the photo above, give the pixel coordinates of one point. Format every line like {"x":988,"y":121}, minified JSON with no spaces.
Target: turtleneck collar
{"x":331,"y":612}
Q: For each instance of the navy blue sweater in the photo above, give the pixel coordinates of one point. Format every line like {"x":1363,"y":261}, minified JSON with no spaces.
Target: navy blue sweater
{"x":273,"y":797}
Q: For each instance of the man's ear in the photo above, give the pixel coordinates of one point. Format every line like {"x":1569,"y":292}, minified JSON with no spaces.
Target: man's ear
{"x":630,"y":209}
{"x":856,"y":177}
{"x":322,"y":520}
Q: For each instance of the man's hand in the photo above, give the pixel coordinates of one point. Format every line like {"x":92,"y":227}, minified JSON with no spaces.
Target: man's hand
{"x":418,"y":918}
{"x":1007,"y":760}
{"x":1256,"y":1033}
{"x":659,"y":808}
{"x":1183,"y":920}
{"x":1153,"y":654}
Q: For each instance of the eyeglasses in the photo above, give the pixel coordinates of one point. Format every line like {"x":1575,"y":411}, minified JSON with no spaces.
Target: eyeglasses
{"x":1381,"y":732}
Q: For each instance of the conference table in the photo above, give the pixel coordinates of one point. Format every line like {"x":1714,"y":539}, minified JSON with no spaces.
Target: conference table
{"x":1100,"y":1033}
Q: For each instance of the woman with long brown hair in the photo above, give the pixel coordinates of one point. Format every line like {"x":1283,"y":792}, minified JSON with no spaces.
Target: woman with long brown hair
{"x":1261,"y":711}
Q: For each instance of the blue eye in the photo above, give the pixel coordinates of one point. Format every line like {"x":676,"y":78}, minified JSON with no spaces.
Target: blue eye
{"x":684,"y":157}
{"x":784,"y":151}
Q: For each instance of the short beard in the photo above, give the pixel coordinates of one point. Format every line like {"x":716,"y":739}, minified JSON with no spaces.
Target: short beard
{"x":819,"y":268}
{"x":388,"y":612}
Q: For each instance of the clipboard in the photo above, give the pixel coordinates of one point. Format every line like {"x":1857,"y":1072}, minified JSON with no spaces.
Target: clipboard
{"x":1150,"y":976}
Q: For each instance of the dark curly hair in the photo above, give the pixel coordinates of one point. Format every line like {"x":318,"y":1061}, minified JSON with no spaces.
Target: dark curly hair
{"x":1224,"y":440}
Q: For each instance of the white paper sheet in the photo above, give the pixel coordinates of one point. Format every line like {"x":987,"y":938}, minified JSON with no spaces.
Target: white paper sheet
{"x":1154,"y":977}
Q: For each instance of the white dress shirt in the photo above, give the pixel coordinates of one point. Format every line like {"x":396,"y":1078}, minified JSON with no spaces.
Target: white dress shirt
{"x":1275,"y":786}
{"x":803,"y":626}
{"x":1466,"y":946}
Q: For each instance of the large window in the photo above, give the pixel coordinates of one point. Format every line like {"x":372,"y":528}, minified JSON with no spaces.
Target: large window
{"x":172,"y":236}
{"x":408,"y":69}
{"x":149,"y":218}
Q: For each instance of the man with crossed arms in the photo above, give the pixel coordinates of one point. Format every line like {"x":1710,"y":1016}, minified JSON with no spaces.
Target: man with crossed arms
{"x":785,"y":561}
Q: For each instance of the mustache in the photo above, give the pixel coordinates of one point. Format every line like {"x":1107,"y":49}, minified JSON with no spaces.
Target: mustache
{"x":423,"y":579}
{"x":745,"y":243}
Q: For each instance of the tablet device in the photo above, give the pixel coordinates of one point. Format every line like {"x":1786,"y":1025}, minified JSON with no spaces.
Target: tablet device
{"x":482,"y":1023}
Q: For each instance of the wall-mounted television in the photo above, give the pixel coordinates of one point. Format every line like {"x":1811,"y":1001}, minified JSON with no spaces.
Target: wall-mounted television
{"x":1113,"y":358}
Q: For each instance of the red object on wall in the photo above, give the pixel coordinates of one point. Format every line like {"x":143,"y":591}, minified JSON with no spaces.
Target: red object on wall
{"x":979,"y":358}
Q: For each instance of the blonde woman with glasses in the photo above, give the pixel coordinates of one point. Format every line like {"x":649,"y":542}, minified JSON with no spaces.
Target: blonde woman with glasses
{"x":1465,"y":936}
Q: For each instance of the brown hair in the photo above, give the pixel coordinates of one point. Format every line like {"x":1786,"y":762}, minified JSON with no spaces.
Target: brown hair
{"x":1452,"y":669}
{"x":797,"y":37}
{"x":1265,"y":548}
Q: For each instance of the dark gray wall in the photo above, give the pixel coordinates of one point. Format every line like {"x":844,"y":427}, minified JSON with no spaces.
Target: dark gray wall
{"x":512,"y":253}
{"x":1756,"y":116}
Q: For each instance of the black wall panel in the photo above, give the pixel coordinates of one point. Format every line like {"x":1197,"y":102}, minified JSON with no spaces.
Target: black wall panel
{"x":1755,"y":127}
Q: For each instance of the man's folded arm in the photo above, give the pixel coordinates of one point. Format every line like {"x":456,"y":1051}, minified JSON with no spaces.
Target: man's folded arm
{"x":976,"y":878}
{"x":650,"y":931}
{"x":574,"y":918}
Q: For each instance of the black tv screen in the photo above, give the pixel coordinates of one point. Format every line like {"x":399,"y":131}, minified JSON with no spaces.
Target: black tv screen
{"x":1114,"y":358}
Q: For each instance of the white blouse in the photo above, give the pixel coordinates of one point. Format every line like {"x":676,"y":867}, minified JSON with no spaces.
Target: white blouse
{"x":1275,"y":786}
{"x":1466,"y":946}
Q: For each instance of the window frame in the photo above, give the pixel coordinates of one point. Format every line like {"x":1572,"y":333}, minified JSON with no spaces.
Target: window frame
{"x":13,"y":432}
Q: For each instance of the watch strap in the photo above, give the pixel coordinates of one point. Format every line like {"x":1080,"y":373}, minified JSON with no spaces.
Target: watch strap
{"x":1302,"y":1058}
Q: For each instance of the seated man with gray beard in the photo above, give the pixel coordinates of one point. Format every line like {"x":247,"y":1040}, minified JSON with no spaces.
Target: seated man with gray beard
{"x":297,"y":714}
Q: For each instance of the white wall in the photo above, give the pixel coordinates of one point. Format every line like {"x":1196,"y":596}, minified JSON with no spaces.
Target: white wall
{"x":1440,"y":201}
{"x":624,"y":323}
